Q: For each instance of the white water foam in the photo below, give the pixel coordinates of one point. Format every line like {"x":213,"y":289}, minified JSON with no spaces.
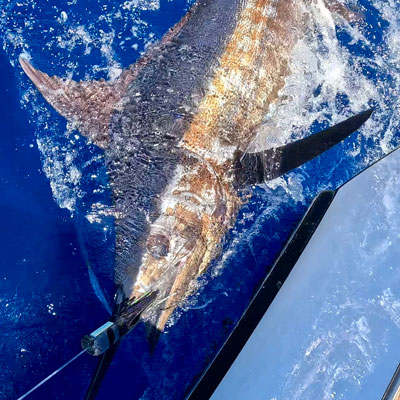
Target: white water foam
{"x":320,"y":61}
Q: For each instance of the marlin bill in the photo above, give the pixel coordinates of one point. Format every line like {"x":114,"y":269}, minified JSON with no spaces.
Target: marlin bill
{"x":175,"y":127}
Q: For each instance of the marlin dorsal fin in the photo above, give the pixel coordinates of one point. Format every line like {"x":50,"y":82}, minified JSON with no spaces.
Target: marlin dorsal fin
{"x":87,"y":104}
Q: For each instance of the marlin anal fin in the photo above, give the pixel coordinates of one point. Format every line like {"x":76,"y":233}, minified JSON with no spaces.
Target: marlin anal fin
{"x":87,"y":104}
{"x":256,"y":168}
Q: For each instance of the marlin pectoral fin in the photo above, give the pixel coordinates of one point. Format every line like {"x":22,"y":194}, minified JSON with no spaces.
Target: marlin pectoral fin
{"x":87,"y":104}
{"x":256,"y":168}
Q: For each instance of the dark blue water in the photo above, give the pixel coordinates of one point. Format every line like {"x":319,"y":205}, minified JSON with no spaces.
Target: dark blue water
{"x":47,"y":301}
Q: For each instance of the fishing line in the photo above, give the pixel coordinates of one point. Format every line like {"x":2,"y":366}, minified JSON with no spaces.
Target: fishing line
{"x":51,"y":375}
{"x":84,"y":350}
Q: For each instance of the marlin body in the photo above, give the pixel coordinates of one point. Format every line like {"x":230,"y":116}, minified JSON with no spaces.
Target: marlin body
{"x":173,"y":128}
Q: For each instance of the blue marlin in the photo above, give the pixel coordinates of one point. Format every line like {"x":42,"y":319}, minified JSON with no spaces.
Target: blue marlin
{"x":175,"y":127}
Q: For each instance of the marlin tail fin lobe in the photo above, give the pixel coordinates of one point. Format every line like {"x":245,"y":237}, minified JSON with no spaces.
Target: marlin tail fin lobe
{"x":87,"y":104}
{"x":256,"y":168}
{"x":349,"y":13}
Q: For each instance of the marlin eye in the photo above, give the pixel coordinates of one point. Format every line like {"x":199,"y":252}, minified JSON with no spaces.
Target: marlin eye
{"x":158,"y":245}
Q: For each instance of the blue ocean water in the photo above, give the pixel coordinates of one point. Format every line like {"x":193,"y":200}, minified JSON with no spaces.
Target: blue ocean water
{"x":54,"y":191}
